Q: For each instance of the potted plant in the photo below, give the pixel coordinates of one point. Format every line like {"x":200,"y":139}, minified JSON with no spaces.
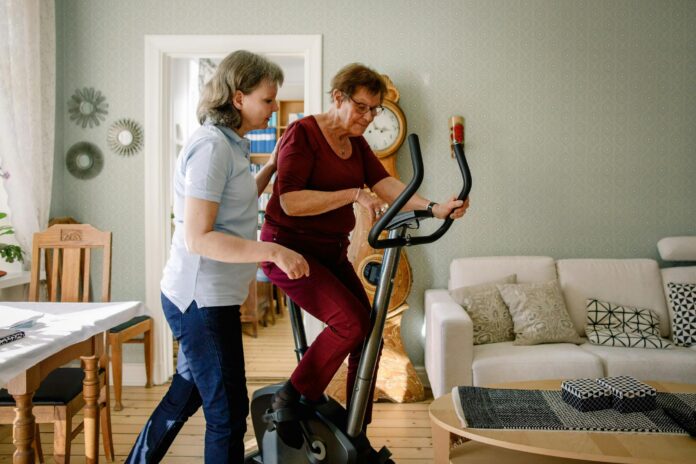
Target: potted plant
{"x":9,"y":252}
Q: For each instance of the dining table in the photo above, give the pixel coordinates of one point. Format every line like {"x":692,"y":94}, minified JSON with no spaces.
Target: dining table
{"x":62,"y":333}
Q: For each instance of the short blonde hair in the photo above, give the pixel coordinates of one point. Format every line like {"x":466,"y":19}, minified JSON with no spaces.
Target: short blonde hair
{"x":240,"y":70}
{"x":354,"y":75}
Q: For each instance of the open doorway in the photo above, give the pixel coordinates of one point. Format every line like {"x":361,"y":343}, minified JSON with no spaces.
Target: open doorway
{"x":189,"y":74}
{"x":163,"y":56}
{"x":262,"y":313}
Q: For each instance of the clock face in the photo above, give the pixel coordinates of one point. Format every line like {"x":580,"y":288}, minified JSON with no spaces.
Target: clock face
{"x":385,"y":132}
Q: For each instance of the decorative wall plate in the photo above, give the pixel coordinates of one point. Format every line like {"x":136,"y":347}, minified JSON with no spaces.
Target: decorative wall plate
{"x":125,"y":137}
{"x":84,"y":160}
{"x":87,"y":107}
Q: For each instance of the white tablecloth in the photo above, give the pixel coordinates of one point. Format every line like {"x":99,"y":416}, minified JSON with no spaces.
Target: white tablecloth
{"x":62,"y":325}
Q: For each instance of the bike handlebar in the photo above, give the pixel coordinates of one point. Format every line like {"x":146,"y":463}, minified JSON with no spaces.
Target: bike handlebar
{"x":409,"y":191}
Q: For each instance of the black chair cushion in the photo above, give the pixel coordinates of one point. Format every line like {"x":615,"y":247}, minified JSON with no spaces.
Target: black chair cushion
{"x":58,"y":388}
{"x":127,"y":324}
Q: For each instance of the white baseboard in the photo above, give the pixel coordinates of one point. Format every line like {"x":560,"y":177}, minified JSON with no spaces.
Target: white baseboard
{"x":133,"y":375}
{"x":422,"y":375}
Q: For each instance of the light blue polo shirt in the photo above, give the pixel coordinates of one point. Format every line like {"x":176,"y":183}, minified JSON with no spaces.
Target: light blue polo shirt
{"x":213,"y":166}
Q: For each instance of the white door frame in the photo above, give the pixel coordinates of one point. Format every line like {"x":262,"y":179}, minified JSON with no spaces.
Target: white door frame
{"x":160,"y":50}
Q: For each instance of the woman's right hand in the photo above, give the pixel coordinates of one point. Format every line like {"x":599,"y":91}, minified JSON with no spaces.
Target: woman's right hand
{"x":290,"y":262}
{"x":372,"y":202}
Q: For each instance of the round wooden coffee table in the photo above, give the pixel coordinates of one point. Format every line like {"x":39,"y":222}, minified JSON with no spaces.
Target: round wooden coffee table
{"x":535,"y":446}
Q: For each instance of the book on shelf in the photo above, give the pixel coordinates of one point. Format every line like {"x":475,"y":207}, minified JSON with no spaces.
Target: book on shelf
{"x":262,"y":140}
{"x":263,"y":201}
{"x":292,"y":117}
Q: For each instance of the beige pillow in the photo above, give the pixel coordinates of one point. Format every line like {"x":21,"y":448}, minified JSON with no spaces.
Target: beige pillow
{"x":491,"y":318}
{"x":538,"y":313}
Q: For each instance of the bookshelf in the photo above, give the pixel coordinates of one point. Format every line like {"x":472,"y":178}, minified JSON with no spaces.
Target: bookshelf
{"x":259,"y":304}
{"x":286,"y":108}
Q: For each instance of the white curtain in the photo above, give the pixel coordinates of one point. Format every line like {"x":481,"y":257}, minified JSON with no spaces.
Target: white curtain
{"x":27,"y":112}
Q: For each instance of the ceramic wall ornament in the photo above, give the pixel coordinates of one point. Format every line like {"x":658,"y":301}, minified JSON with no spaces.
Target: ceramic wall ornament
{"x":84,"y":160}
{"x":87,"y":107}
{"x":125,"y":137}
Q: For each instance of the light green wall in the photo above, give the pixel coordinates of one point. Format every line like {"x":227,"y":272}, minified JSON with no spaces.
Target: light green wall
{"x":580,"y":115}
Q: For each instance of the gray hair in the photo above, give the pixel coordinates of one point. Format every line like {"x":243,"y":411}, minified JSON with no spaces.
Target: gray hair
{"x":240,"y":70}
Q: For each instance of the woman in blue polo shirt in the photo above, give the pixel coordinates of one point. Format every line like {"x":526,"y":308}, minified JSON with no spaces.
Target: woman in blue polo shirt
{"x":212,"y":260}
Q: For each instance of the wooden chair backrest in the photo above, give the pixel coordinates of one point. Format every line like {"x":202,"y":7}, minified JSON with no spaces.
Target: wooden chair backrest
{"x":70,"y":249}
{"x":48,"y":261}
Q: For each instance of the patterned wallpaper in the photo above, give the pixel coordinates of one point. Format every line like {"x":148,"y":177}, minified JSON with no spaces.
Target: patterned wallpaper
{"x":580,"y":115}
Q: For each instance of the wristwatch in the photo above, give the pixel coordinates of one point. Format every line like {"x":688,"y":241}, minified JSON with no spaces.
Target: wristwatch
{"x":430,"y":207}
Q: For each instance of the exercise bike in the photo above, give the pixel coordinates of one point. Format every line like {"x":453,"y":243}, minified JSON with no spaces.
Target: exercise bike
{"x":332,"y":434}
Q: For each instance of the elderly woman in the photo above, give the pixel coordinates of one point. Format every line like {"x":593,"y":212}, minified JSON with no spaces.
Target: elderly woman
{"x":212,"y":261}
{"x":323,"y":164}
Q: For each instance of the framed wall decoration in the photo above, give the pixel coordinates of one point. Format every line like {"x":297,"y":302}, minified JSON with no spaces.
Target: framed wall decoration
{"x":87,"y":107}
{"x":84,"y":160}
{"x":125,"y":137}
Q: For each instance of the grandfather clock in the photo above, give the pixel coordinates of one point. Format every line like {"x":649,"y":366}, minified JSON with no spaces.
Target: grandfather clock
{"x":397,"y":379}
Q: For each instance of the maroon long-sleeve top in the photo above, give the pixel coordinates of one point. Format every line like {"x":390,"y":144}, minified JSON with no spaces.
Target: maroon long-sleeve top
{"x":306,"y":161}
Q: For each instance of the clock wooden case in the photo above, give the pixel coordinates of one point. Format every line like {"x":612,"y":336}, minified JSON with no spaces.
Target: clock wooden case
{"x":387,"y":131}
{"x":397,"y":379}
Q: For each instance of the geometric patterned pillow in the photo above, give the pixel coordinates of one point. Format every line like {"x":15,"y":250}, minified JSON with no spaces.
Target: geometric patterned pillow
{"x":683,"y":300}
{"x":616,"y":325}
{"x":615,"y":337}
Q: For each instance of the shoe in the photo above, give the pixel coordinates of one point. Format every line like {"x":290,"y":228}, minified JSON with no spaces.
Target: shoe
{"x":288,"y":431}
{"x":379,"y":457}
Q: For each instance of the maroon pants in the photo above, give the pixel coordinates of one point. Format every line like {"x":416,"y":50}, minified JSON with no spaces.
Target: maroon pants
{"x":333,"y":294}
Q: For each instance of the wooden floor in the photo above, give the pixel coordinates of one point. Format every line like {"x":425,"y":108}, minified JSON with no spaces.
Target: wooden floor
{"x":403,"y":428}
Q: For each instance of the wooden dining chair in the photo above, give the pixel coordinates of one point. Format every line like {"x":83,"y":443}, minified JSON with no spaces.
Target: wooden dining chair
{"x":69,"y":248}
{"x":128,"y":332}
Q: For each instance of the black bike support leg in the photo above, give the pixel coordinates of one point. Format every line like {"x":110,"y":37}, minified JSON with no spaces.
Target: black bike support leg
{"x":298,"y":330}
{"x":368,"y":360}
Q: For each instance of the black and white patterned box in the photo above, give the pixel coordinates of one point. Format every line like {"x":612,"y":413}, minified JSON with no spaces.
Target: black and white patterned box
{"x":586,"y":395}
{"x":629,"y":394}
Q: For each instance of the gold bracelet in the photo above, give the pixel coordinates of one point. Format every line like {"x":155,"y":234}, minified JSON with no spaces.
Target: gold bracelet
{"x":357,"y":194}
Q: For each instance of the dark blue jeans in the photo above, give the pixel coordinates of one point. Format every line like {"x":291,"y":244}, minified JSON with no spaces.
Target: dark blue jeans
{"x":209,"y":373}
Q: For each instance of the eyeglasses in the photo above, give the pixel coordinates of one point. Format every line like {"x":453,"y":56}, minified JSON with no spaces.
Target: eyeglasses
{"x":362,"y":108}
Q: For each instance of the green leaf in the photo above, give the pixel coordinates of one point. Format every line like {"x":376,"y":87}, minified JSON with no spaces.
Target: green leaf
{"x":10,"y":253}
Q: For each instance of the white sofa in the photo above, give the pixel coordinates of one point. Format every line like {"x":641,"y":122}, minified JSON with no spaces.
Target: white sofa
{"x":452,"y":359}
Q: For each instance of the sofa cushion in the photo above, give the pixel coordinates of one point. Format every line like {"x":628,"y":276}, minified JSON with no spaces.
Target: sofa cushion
{"x":485,"y":306}
{"x":609,"y":336}
{"x":611,"y":324}
{"x":603,"y":314}
{"x":633,"y":282}
{"x":677,"y":248}
{"x":682,"y":275}
{"x":675,"y":365}
{"x":682,"y":300}
{"x":538,"y":313}
{"x":504,"y":362}
{"x":474,"y":271}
